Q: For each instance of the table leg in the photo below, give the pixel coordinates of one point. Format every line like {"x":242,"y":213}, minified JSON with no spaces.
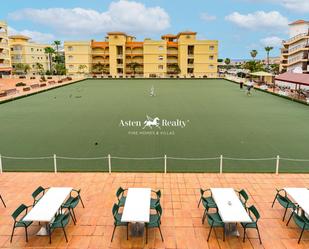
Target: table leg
{"x":137,"y":229}
{"x":231,"y":229}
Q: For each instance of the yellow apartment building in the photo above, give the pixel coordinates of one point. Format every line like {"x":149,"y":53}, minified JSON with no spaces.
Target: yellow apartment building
{"x":295,"y":50}
{"x":29,"y":53}
{"x":5,"y":58}
{"x":120,"y":55}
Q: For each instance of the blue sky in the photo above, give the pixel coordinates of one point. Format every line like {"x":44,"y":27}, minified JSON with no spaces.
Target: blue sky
{"x":239,"y":25}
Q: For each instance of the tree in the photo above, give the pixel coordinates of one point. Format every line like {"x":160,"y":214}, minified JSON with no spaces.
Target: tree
{"x":26,"y":68}
{"x":60,"y":69}
{"x":253,"y":53}
{"x":81,"y":68}
{"x":268,"y":49}
{"x":40,"y":68}
{"x":49,"y":51}
{"x":19,"y":68}
{"x":253,"y":66}
{"x":99,"y":68}
{"x":57,"y":44}
{"x":134,"y":66}
{"x":227,"y":61}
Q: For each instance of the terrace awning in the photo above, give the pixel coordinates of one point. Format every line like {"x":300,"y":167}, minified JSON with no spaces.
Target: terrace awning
{"x":262,"y":74}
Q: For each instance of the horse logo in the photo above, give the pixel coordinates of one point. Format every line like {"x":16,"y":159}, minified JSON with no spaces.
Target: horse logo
{"x":152,"y":122}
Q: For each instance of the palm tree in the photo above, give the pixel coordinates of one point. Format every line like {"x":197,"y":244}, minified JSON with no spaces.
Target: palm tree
{"x":49,"y":51}
{"x":253,"y":53}
{"x":57,"y":44}
{"x":268,"y":49}
{"x":98,"y":67}
{"x":227,"y":61}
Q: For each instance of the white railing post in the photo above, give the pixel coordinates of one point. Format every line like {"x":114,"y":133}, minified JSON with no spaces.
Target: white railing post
{"x":55,"y":164}
{"x":165,"y":164}
{"x":0,"y":164}
{"x":221,"y":164}
{"x":109,"y":164}
{"x":277,"y":164}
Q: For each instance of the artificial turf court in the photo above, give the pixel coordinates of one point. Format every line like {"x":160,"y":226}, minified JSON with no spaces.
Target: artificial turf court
{"x":198,"y":119}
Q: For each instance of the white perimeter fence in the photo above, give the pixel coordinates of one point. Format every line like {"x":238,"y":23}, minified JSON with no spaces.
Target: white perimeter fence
{"x":109,"y":161}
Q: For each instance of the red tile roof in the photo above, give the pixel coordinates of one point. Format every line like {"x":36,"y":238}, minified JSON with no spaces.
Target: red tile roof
{"x":298,"y":22}
{"x":296,"y":78}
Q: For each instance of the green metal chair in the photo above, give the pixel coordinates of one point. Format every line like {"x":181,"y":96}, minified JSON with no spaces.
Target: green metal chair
{"x":21,"y":211}
{"x":208,"y":202}
{"x":38,"y":194}
{"x":203,"y":191}
{"x":72,"y":202}
{"x":2,"y":201}
{"x":284,"y":201}
{"x":117,"y":220}
{"x":120,"y":196}
{"x":155,"y":221}
{"x":214,"y":220}
{"x":243,"y":196}
{"x":155,"y":201}
{"x":302,"y":222}
{"x":60,"y":221}
{"x":255,"y":216}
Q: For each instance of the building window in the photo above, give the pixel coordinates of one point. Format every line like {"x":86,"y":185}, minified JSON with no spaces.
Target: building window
{"x":211,"y":57}
{"x":70,"y":57}
{"x":71,"y":66}
{"x":160,"y":47}
{"x":160,"y":57}
{"x":70,"y":48}
{"x":160,"y":67}
{"x":211,"y":47}
{"x":211,"y":66}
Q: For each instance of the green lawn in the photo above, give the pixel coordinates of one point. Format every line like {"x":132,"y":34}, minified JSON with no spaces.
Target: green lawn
{"x":84,"y":120}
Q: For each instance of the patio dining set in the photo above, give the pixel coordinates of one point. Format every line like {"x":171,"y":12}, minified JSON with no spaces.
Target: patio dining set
{"x":139,"y":209}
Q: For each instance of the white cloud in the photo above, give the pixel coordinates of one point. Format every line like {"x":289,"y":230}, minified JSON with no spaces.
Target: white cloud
{"x":272,"y":41}
{"x":301,"y":6}
{"x":207,"y":17}
{"x":127,"y":16}
{"x":34,"y":35}
{"x":272,"y":20}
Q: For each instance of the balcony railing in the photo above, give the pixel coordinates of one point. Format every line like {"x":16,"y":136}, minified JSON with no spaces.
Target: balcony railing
{"x":295,"y":37}
{"x":120,"y":56}
{"x":4,"y":65}
{"x":172,"y":52}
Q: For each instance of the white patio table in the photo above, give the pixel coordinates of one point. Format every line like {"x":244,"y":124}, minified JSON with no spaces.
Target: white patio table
{"x":48,"y":206}
{"x":300,"y":196}
{"x":137,"y":208}
{"x":230,"y":208}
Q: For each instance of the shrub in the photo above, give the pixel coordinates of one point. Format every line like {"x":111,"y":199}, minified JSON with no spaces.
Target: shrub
{"x":20,"y":84}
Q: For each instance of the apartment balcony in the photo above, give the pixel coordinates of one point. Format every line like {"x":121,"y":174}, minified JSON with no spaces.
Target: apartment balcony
{"x":119,"y":65}
{"x":296,"y":38}
{"x":5,"y":65}
{"x":172,"y":52}
{"x":100,"y":52}
{"x":4,"y":56}
{"x":190,"y":55}
{"x":120,"y":56}
{"x":191,"y":65}
{"x":170,"y":61}
{"x":3,"y":34}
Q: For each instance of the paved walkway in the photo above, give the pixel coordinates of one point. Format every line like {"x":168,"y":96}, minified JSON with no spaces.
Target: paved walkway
{"x":181,"y":222}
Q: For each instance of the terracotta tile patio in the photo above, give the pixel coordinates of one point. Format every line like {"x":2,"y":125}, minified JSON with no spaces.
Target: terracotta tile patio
{"x":181,"y":221}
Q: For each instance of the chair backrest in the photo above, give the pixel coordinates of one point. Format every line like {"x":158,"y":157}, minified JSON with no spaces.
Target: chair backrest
{"x":74,"y":201}
{"x":159,"y":209}
{"x":119,"y":192}
{"x":158,"y":193}
{"x":244,"y":195}
{"x":115,"y":209}
{"x":38,"y":191}
{"x":255,"y":212}
{"x":18,"y":211}
{"x":202,"y":191}
{"x":65,"y":219}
